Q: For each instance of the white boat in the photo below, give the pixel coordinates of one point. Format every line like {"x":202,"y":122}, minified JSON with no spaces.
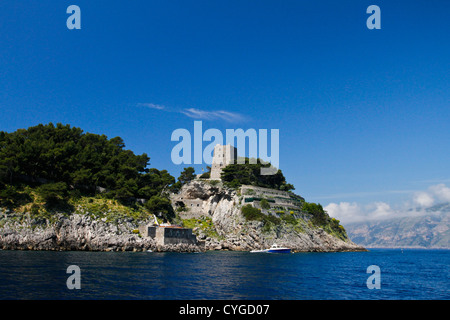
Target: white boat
{"x":273,"y":249}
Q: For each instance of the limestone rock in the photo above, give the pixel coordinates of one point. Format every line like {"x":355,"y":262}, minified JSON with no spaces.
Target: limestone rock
{"x":79,"y":232}
{"x":223,"y":206}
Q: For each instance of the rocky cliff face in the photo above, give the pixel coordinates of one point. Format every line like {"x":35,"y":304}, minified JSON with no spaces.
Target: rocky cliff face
{"x":77,"y":232}
{"x":223,"y":207}
{"x":219,"y":206}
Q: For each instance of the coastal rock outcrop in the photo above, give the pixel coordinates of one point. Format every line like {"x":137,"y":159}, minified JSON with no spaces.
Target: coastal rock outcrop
{"x":217,"y":208}
{"x":223,"y":206}
{"x":79,"y":232}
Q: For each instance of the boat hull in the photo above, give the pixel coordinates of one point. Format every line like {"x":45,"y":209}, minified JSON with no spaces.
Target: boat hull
{"x":281,"y":250}
{"x":284,"y":250}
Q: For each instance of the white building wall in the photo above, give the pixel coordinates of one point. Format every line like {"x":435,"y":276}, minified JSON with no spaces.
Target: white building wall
{"x":223,"y":156}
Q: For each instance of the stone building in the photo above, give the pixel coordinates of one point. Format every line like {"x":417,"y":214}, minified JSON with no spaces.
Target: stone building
{"x":165,"y":235}
{"x":192,"y":208}
{"x":277,"y":199}
{"x":223,"y":156}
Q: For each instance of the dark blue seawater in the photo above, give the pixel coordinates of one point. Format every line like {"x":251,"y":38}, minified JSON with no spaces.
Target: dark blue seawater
{"x":411,"y":274}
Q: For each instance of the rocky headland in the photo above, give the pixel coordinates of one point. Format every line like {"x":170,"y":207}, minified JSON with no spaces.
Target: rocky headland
{"x":222,"y":207}
{"x":78,"y":232}
{"x":217,"y":221}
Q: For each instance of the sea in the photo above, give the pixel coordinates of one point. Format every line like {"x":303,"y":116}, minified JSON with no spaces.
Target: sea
{"x":379,"y":274}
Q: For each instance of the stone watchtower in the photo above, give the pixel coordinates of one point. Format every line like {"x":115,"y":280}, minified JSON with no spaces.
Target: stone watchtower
{"x":223,"y":156}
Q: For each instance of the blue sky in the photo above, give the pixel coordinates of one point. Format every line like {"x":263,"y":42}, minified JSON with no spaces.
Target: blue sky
{"x":363,"y":114}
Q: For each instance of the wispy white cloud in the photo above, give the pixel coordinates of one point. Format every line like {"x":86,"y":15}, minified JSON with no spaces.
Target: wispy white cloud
{"x":212,"y":115}
{"x":200,"y":114}
{"x":151,"y":106}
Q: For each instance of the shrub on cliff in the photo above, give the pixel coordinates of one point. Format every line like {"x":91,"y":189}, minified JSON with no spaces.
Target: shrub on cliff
{"x":250,"y":213}
{"x":10,"y":197}
{"x":53,"y":192}
{"x":320,"y":218}
{"x":205,"y":175}
{"x":289,"y":218}
{"x":161,"y":207}
{"x":265,"y":204}
{"x":248,"y":173}
{"x":187,"y":175}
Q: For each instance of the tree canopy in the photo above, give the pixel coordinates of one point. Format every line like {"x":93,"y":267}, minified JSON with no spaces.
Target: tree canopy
{"x":250,"y":174}
{"x":187,"y":175}
{"x":48,"y":154}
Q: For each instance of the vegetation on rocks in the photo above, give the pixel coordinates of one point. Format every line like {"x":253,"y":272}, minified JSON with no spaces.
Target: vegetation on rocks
{"x":235,"y":175}
{"x":318,"y":219}
{"x":321,"y":219}
{"x":61,"y":188}
{"x":203,"y":225}
{"x":52,"y":166}
{"x":250,"y":213}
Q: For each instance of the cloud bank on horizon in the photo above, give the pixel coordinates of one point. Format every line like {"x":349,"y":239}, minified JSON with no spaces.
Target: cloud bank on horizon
{"x":349,"y":212}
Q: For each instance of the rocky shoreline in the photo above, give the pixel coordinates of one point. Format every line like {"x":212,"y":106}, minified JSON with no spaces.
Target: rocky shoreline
{"x":248,"y":237}
{"x":221,"y":205}
{"x":78,"y":232}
